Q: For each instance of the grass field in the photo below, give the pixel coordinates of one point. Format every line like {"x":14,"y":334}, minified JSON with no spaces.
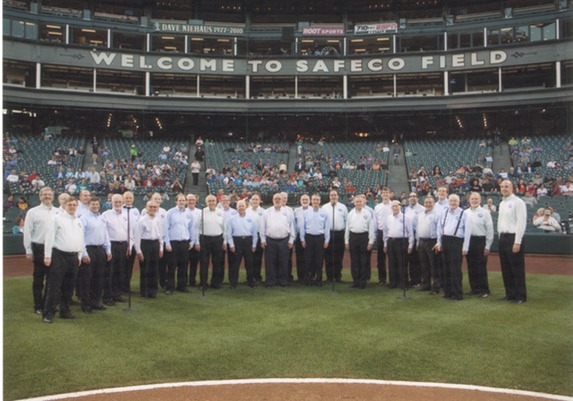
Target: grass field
{"x":295,"y":332}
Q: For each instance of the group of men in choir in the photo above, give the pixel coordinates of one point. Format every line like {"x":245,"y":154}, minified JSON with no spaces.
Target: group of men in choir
{"x":75,"y":247}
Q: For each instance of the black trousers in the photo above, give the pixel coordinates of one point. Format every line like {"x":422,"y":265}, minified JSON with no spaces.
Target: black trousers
{"x":512,"y":268}
{"x":314,"y":257}
{"x":195,"y":178}
{"x":40,"y":276}
{"x":177,"y":262}
{"x":381,"y":257}
{"x":211,"y":250}
{"x":258,"y":261}
{"x":359,"y":258}
{"x":243,"y":252}
{"x":414,"y":271}
{"x":162,"y":269}
{"x":276,"y":261}
{"x":116,"y":274}
{"x":301,"y":268}
{"x":430,"y":274}
{"x":92,"y":275}
{"x":397,"y":270}
{"x":149,"y":268}
{"x":126,"y":269}
{"x":61,"y":282}
{"x":230,"y":262}
{"x":193,"y":257}
{"x":452,"y":250}
{"x":333,"y":256}
{"x":477,"y":266}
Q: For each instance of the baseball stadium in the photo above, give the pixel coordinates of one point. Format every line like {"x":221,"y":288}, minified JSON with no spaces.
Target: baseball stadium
{"x":264,"y":200}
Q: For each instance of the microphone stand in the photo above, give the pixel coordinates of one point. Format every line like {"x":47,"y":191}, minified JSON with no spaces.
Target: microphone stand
{"x":129,"y":308}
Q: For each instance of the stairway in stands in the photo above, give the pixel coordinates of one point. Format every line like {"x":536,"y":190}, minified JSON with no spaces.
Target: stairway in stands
{"x":397,"y":173}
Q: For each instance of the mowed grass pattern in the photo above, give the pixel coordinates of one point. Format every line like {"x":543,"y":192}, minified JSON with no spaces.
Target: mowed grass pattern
{"x":295,"y":332}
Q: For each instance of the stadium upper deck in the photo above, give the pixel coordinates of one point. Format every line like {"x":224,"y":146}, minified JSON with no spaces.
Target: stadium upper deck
{"x":250,"y":56}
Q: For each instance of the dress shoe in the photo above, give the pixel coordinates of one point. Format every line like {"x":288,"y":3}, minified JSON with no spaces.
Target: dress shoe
{"x":87,"y":309}
{"x":168,"y":292}
{"x":484,"y":295}
{"x":109,"y":303}
{"x":518,"y":301}
{"x":339,"y":280}
{"x":67,"y":316}
{"x":434,"y":292}
{"x":99,"y":307}
{"x":38,"y":312}
{"x":416,"y":286}
{"x":381,"y":283}
{"x":354,"y":286}
{"x":152,"y":296}
{"x":252,"y":285}
{"x":119,"y":299}
{"x":47,"y":320}
{"x":423,"y":289}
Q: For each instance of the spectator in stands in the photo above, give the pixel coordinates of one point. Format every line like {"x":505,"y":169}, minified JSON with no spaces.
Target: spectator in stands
{"x":176,"y":186}
{"x":475,"y":185}
{"x":489,"y":206}
{"x":529,"y":200}
{"x":542,"y":191}
{"x":22,"y":205}
{"x":13,"y":177}
{"x":567,"y":189}
{"x":437,"y":171}
{"x":520,"y":187}
{"x":133,"y":153}
{"x":18,"y":228}
{"x":555,"y":215}
{"x":349,"y":188}
{"x":544,"y":221}
{"x":71,"y":187}
{"x":531,"y":188}
{"x":9,"y":203}
{"x":552,"y":163}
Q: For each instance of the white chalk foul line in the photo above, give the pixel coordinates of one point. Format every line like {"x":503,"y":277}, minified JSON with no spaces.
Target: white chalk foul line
{"x":298,"y":381}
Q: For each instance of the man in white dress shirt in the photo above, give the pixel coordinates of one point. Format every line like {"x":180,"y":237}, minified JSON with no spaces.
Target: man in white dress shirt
{"x":148,"y":242}
{"x":426,"y":236}
{"x":398,"y":244}
{"x":359,"y":239}
{"x":36,"y":225}
{"x":454,"y":232}
{"x":382,"y":211}
{"x":63,"y":249}
{"x":480,"y":243}
{"x":210,"y":241}
{"x":333,"y":255}
{"x":511,"y":228}
{"x":115,"y":221}
{"x":277,"y":238}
